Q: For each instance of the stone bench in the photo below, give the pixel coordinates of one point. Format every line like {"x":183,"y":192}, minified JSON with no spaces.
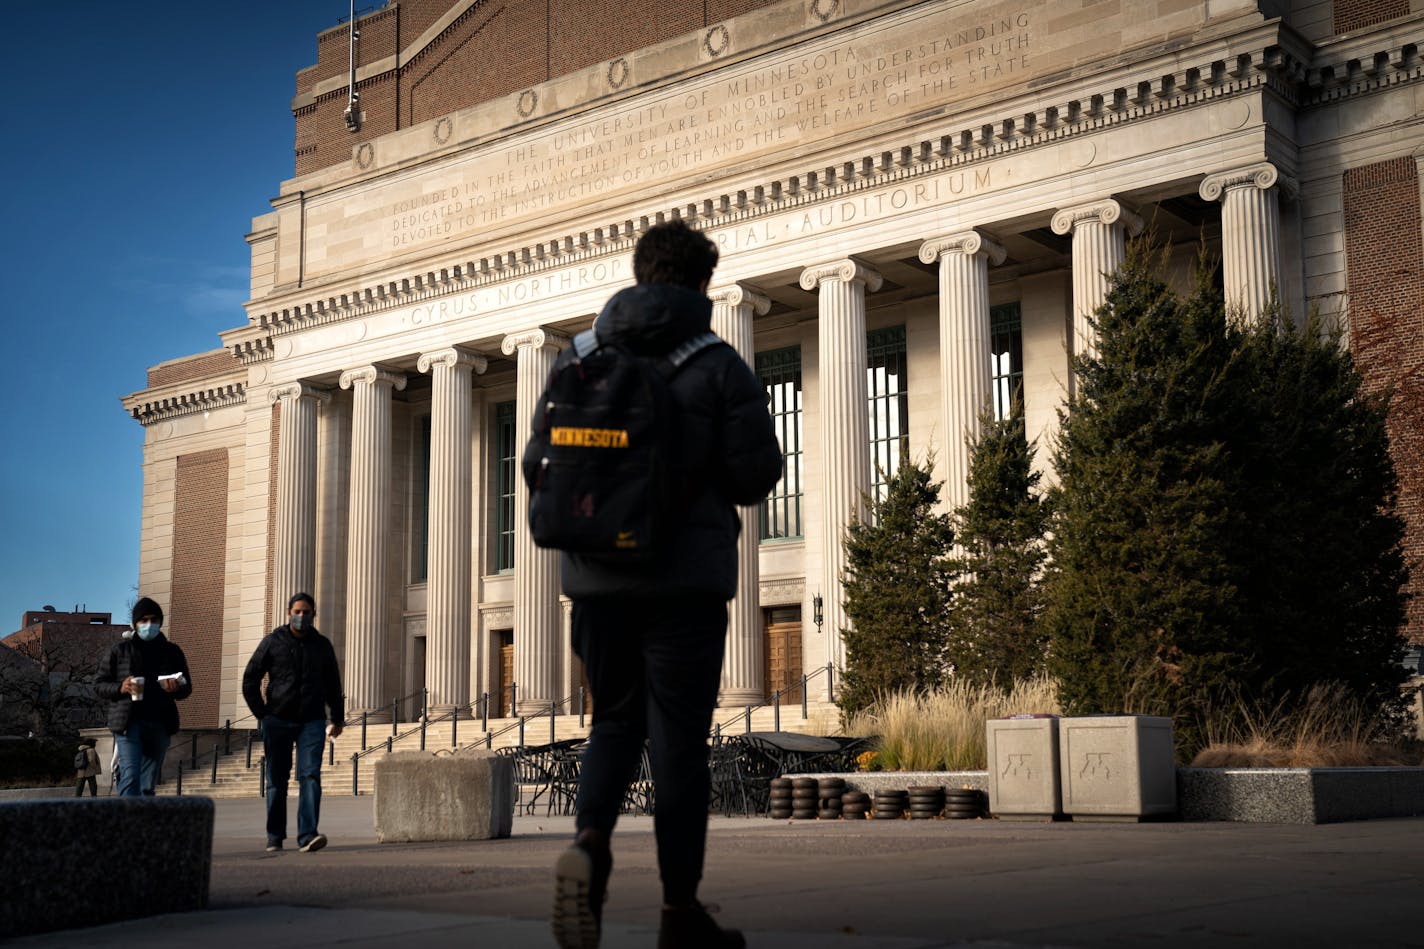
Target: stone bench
{"x":89,"y":861}
{"x":423,"y":795}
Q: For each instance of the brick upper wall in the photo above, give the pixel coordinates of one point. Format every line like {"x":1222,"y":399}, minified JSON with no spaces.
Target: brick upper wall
{"x":1384,"y":253}
{"x":194,"y":619}
{"x":193,"y":367}
{"x":493,"y":49}
{"x":1350,"y":15}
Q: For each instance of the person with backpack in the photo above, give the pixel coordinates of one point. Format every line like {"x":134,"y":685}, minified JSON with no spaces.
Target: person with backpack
{"x":143,"y":678}
{"x":86,"y":768}
{"x":639,"y":491}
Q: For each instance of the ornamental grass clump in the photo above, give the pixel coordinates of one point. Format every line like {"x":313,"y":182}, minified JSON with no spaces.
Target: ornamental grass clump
{"x":1330,"y":727}
{"x":943,"y":730}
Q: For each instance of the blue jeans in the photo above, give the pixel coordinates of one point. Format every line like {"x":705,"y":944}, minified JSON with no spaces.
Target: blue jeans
{"x":141,"y":751}
{"x":278,"y":737}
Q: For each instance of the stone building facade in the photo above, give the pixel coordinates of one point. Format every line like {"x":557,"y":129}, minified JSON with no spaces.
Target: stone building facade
{"x":917,"y":203}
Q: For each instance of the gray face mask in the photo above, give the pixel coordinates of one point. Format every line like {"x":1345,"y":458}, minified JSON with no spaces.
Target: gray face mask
{"x":299,"y":623}
{"x":147,"y":631}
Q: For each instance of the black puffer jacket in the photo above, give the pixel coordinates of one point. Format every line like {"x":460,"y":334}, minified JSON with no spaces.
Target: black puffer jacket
{"x":303,"y":681}
{"x":134,"y":657}
{"x":728,"y":440}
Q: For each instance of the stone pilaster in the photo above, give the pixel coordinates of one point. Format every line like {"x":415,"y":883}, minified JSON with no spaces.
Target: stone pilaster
{"x":447,"y":592}
{"x":964,"y":347}
{"x":1250,"y":234}
{"x":366,"y":593}
{"x":1099,"y":230}
{"x":294,"y":554}
{"x":743,"y":672}
{"x":844,"y":423}
{"x":537,"y":617}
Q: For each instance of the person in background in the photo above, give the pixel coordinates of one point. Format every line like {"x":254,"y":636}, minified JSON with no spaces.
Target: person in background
{"x":89,"y":769}
{"x":303,"y":683}
{"x":143,"y":678}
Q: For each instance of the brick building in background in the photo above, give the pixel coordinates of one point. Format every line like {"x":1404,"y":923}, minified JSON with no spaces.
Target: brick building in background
{"x":48,"y":668}
{"x":916,"y":201}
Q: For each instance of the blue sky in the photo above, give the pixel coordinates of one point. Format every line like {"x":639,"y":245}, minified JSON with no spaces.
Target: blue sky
{"x":140,"y":141}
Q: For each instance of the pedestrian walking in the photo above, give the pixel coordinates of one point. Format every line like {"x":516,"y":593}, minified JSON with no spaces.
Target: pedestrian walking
{"x":143,"y":677}
{"x":303,"y":686}
{"x":87,"y":768}
{"x":651,"y":630}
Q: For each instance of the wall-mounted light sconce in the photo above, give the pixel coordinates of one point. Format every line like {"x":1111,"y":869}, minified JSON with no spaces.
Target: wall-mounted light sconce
{"x":819,"y":615}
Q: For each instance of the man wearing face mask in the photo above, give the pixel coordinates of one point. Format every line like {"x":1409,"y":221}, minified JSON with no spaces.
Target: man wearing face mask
{"x":143,"y":678}
{"x":303,"y":684}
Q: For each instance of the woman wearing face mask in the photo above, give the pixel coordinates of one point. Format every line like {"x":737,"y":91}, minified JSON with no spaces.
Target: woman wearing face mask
{"x":143,"y":677}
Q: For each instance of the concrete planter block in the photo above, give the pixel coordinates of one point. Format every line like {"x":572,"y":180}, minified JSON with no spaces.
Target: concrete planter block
{"x":872,"y":781}
{"x":1300,"y":795}
{"x":1023,"y":768}
{"x":85,"y":862}
{"x":1117,"y":767}
{"x":427,"y":796}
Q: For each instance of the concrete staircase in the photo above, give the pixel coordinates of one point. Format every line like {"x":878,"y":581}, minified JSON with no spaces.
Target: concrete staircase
{"x":234,"y":778}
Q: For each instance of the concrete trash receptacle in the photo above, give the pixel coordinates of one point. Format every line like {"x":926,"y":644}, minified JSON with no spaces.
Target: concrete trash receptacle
{"x":1023,"y":768}
{"x":1117,"y":767}
{"x":468,"y":795}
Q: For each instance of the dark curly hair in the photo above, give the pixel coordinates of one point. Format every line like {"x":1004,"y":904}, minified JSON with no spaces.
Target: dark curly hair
{"x":674,"y":253}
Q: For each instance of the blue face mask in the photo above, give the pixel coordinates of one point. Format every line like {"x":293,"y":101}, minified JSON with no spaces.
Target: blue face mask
{"x":298,"y":623}
{"x":147,"y":631}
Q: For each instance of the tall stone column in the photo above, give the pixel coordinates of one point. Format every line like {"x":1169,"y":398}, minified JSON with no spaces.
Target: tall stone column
{"x":743,"y":668}
{"x":844,"y":421}
{"x":1250,"y":234}
{"x":447,"y":591}
{"x":333,"y":440}
{"x":294,"y":541}
{"x":537,"y":617}
{"x":1099,"y":230}
{"x":964,"y":347}
{"x":366,"y":593}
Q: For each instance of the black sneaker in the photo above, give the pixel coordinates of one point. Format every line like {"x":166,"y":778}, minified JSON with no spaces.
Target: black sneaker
{"x":316,"y":843}
{"x":692,"y":928}
{"x":274,"y":846}
{"x":580,"y":884}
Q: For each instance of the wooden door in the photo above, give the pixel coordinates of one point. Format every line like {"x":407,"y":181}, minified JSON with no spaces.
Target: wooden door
{"x":506,"y":672}
{"x":783,"y":652}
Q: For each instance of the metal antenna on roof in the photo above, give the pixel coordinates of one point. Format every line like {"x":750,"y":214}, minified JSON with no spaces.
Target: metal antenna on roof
{"x":353,"y":102}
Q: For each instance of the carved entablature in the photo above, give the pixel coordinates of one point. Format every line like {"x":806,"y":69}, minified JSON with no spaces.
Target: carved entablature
{"x":248,"y":344}
{"x":1363,"y":70}
{"x":783,"y":591}
{"x":170,"y":402}
{"x":964,"y":140}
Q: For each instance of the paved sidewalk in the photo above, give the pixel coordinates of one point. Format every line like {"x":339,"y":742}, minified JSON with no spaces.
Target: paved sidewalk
{"x":811,"y":884}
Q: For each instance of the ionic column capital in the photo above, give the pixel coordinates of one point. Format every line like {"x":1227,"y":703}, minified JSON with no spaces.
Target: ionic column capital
{"x":741,"y":294}
{"x":845,"y":270}
{"x":1262,"y":176}
{"x":373,"y":375}
{"x":298,"y":390}
{"x":1106,"y":211}
{"x":970,"y":243}
{"x":451,"y":358}
{"x":536,"y":338}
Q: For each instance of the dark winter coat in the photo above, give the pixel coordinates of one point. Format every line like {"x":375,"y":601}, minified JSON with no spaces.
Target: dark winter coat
{"x":303,"y":681}
{"x":134,"y":657}
{"x":728,"y":443}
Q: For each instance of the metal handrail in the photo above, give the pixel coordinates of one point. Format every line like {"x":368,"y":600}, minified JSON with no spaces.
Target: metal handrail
{"x":746,"y":713}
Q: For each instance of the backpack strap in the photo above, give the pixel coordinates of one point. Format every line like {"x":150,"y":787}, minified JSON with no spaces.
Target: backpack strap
{"x":691,"y":347}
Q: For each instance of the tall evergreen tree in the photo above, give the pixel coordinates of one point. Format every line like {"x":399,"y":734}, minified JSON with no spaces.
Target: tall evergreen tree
{"x":897,"y":589}
{"x":1323,"y":573}
{"x":1142,"y":608}
{"x":994,"y":632}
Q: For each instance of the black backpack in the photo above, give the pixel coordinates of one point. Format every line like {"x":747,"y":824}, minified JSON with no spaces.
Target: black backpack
{"x":610,"y":482}
{"x":81,"y":760}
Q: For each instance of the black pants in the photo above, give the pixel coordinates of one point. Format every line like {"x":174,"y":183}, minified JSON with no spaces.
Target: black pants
{"x":93,"y":783}
{"x":654,"y":665}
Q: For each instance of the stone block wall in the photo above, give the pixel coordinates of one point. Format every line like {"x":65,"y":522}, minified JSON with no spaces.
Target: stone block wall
{"x":194,"y":619}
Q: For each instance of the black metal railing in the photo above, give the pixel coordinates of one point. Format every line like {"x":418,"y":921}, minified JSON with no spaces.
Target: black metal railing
{"x":745,"y":715}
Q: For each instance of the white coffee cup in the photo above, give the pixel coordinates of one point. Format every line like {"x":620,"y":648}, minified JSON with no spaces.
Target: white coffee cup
{"x":137,"y":693}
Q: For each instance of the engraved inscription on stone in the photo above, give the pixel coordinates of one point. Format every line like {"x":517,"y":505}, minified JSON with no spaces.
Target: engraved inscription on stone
{"x":1018,"y":766}
{"x":789,"y":103}
{"x":1096,"y":766}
